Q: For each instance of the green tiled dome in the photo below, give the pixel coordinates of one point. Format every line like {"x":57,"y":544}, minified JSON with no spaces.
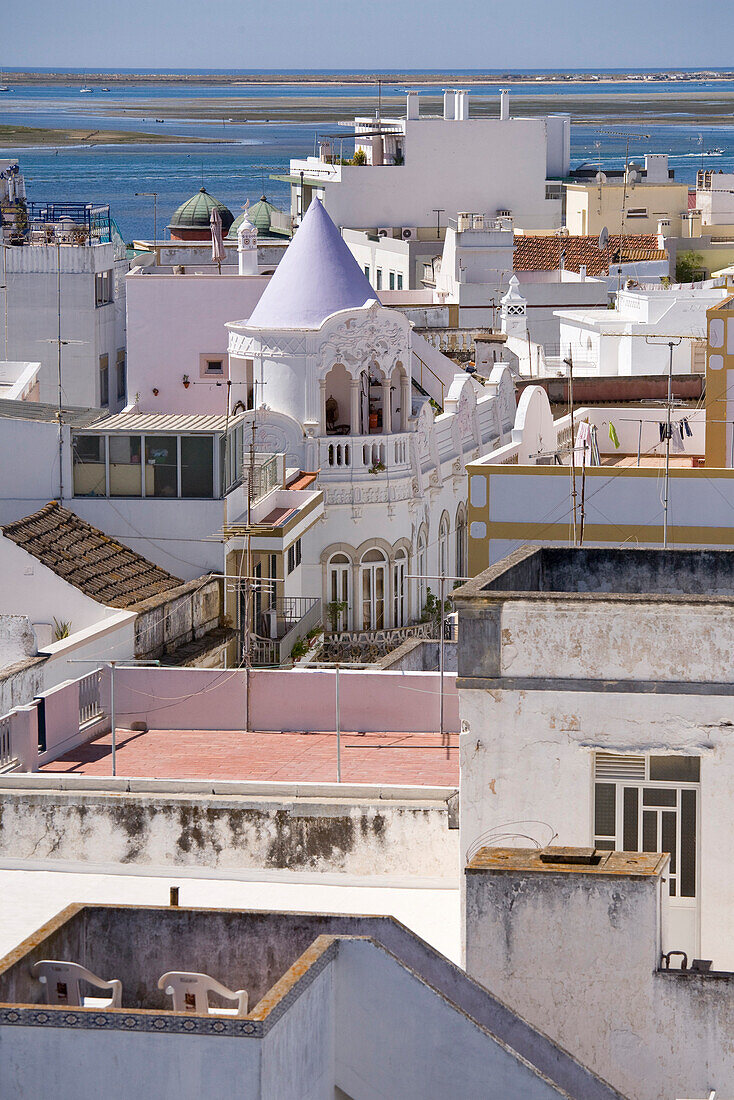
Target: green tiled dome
{"x":196,"y":212}
{"x":258,"y":215}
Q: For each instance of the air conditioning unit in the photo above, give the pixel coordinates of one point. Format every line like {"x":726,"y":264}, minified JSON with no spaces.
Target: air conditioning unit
{"x":409,"y":233}
{"x":384,"y":231}
{"x":504,"y":213}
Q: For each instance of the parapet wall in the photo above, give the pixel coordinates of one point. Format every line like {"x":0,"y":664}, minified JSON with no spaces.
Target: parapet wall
{"x":384,"y":834}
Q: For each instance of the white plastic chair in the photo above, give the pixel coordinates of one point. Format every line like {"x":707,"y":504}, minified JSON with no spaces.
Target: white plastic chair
{"x":190,"y":993}
{"x":62,"y":979}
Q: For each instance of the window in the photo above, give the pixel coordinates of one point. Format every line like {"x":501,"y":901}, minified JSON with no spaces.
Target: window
{"x":649,"y":804}
{"x":637,"y":212}
{"x":103,"y":288}
{"x":125,"y":467}
{"x":161,"y":453}
{"x":121,"y":375}
{"x":372,"y":574}
{"x":443,"y":546}
{"x":378,"y":282}
{"x":104,"y":380}
{"x":400,"y":281}
{"x":392,"y":280}
{"x":421,"y":562}
{"x":399,"y":571}
{"x":338,"y":592}
{"x":461,"y":543}
{"x":294,"y":555}
{"x":215,"y":366}
{"x":367,"y":270}
{"x":89,"y":466}
{"x":197,"y":466}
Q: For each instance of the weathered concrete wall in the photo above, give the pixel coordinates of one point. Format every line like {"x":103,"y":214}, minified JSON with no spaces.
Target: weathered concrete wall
{"x":354,"y":832}
{"x":527,"y":755}
{"x":177,"y":617}
{"x":576,"y":955}
{"x":253,"y":950}
{"x":298,"y":1053}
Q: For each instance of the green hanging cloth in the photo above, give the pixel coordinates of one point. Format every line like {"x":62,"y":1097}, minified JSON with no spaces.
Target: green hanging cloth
{"x":613,"y":434}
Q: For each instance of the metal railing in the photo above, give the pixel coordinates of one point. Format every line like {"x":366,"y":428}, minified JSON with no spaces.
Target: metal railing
{"x":286,"y":620}
{"x":433,"y":374}
{"x":90,"y":708}
{"x":6,"y":741}
{"x":69,"y":222}
{"x":371,"y":645}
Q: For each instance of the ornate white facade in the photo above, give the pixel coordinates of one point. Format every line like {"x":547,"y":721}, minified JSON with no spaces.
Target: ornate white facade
{"x":341,"y":397}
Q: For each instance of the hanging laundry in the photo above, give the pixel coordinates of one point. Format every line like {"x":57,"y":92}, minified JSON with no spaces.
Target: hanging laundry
{"x":676,"y":442}
{"x":613,"y":434}
{"x":687,"y":427}
{"x":583,"y":442}
{"x":666,"y":431}
{"x":595,"y":455}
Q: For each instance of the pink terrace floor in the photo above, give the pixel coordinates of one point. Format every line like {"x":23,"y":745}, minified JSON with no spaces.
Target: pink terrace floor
{"x":408,"y":758}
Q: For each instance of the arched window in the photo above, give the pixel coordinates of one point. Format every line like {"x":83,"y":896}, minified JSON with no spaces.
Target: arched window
{"x":372,"y":571}
{"x":337,"y":610}
{"x":421,"y":571}
{"x":461,"y":543}
{"x":443,"y":546}
{"x":399,"y":590}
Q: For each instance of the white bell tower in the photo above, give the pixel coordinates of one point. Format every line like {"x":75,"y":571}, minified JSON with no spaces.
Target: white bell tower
{"x":247,"y":245}
{"x":514,"y":311}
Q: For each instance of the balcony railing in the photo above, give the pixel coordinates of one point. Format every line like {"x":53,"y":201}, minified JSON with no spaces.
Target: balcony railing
{"x":281,"y":625}
{"x":90,"y":708}
{"x":6,"y":743}
{"x":363,"y":455}
{"x":371,"y":645}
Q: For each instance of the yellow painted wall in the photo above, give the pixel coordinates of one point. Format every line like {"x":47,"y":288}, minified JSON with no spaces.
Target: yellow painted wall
{"x":720,"y":383}
{"x":587,"y":215}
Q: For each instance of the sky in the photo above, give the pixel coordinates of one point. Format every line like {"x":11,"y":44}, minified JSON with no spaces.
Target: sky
{"x":380,"y":34}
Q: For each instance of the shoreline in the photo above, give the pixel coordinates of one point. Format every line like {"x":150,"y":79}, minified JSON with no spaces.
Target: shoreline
{"x":38,"y":137}
{"x":276,"y":78}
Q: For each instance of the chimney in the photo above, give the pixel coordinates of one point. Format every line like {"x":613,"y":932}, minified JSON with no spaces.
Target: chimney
{"x":504,"y":105}
{"x":462,"y":106}
{"x":449,"y":103}
{"x":412,"y":109}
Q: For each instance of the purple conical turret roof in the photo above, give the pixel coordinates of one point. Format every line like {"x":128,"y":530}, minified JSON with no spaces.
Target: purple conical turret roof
{"x":317,"y":276}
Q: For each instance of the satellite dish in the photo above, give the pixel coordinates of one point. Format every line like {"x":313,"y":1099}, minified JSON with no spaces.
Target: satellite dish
{"x":603,"y":238}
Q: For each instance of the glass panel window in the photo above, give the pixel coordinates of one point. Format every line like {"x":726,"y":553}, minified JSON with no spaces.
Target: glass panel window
{"x":392,"y":280}
{"x":104,"y":380}
{"x":161,"y":454}
{"x":630,"y":832}
{"x":687,"y":844}
{"x":654,"y":796}
{"x":214,"y":366}
{"x":121,"y":376}
{"x":378,"y":274}
{"x":649,"y":831}
{"x":125,"y":467}
{"x":89,"y":466}
{"x":400,"y":281}
{"x":197,"y":466}
{"x":604,"y":809}
{"x":103,"y":284}
{"x":676,"y":769}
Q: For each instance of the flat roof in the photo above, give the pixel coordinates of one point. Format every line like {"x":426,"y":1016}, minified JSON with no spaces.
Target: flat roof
{"x":587,"y":573}
{"x":584,"y":861}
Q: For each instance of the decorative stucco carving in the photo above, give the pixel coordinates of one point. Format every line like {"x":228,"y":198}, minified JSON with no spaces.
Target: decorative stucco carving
{"x":378,"y":341}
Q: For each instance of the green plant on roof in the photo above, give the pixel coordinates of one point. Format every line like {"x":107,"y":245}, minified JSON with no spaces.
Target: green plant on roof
{"x":62,"y":629}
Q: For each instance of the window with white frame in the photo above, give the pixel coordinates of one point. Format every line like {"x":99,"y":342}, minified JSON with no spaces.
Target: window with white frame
{"x":339,"y":585}
{"x":294,"y":555}
{"x":650,"y":804}
{"x":373,"y":570}
{"x":400,"y":603}
{"x":443,"y":547}
{"x":421,"y":569}
{"x":103,"y":288}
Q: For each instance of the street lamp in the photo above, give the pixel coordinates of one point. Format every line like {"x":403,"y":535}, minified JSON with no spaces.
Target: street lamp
{"x":154,"y":196}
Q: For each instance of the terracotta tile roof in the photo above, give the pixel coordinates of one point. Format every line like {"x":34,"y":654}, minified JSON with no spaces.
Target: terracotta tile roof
{"x":544,"y":253}
{"x":100,"y":567}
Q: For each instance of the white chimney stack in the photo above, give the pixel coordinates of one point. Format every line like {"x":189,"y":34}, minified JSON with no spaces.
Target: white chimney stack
{"x":412,"y":108}
{"x":449,"y":103}
{"x":504,"y":105}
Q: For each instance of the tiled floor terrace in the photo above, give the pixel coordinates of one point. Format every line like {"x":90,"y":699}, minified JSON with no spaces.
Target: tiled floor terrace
{"x":399,"y":758}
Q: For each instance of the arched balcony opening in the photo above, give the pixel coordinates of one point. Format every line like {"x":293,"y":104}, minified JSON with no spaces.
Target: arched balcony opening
{"x":373,"y":584}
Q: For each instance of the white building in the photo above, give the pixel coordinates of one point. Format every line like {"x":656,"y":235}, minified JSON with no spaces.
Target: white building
{"x":631,"y":338}
{"x":593,"y":685}
{"x":64,"y":279}
{"x":344,"y":387}
{"x":416,"y":164}
{"x":715,"y":201}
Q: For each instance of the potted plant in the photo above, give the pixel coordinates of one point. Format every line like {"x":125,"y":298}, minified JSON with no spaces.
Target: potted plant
{"x":334,"y":611}
{"x":186,"y":381}
{"x":377,"y":467}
